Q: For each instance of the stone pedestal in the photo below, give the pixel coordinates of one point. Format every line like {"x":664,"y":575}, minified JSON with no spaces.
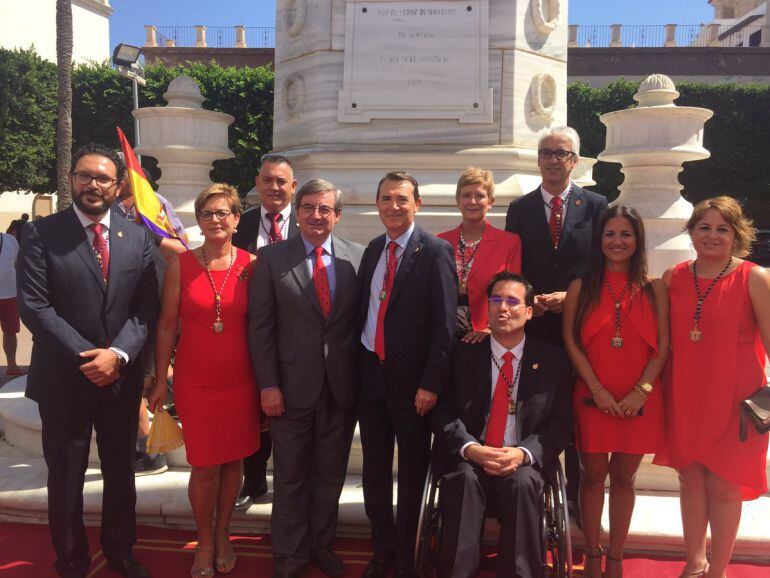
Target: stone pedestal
{"x":185,"y":139}
{"x":652,"y":141}
{"x":363,"y":87}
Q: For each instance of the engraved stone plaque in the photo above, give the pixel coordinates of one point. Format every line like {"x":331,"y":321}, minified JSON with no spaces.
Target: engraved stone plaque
{"x":426,"y":59}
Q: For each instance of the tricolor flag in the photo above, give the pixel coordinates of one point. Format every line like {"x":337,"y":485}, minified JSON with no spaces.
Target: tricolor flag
{"x":150,"y":210}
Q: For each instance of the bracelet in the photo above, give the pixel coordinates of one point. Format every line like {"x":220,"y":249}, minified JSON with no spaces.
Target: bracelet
{"x":640,"y":391}
{"x":595,"y":391}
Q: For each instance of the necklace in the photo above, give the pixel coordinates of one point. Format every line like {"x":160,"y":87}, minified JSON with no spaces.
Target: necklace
{"x":511,"y":400}
{"x":218,"y":326}
{"x":695,"y":332}
{"x":269,"y":234}
{"x":467,"y":251}
{"x":617,"y":340}
{"x":386,"y":275}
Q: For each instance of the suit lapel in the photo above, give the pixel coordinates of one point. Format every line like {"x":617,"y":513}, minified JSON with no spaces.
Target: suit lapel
{"x":484,"y":252}
{"x":483,"y":367}
{"x":540,"y":220}
{"x":528,"y":380}
{"x":576,"y":209}
{"x":408,"y":258}
{"x":297,"y":258}
{"x":341,"y":259}
{"x":85,"y":250}
{"x":118,"y":256}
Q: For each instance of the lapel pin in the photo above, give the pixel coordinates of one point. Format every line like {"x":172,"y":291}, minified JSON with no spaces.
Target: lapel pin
{"x":535,"y":365}
{"x":120,"y":234}
{"x":579,"y":202}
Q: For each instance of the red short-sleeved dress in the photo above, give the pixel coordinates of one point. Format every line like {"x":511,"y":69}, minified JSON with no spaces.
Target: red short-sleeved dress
{"x":706,"y":381}
{"x":214,"y":388}
{"x":619,"y":369}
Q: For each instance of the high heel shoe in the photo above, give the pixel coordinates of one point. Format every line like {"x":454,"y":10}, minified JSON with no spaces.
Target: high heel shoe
{"x":618,"y":562}
{"x":225,"y":564}
{"x":695,"y":573}
{"x":592,"y":568}
{"x":203,"y":571}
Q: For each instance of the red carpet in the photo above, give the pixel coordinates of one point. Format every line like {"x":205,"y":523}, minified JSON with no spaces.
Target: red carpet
{"x":26,"y":552}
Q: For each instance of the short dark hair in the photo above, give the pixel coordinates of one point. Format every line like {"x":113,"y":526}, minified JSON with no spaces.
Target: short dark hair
{"x":529,"y":291}
{"x":275,"y":159}
{"x":102,"y":151}
{"x":318,"y":186}
{"x":399,"y":176}
{"x":25,"y":216}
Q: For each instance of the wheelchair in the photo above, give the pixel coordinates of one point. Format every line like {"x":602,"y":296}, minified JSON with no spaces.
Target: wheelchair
{"x":555,"y":527}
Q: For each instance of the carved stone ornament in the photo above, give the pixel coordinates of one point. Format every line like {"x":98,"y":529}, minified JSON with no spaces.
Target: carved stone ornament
{"x":293,"y":94}
{"x":656,"y":90}
{"x":294,"y":13}
{"x":545,"y":24}
{"x":542,"y":94}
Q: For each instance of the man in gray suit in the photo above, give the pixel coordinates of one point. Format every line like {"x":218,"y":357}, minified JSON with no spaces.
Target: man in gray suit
{"x":302,"y":324}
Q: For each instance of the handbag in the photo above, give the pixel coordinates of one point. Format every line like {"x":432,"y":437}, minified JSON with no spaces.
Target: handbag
{"x":756,"y":408}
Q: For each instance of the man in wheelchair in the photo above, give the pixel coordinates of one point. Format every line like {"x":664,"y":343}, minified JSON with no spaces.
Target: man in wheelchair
{"x":500,"y":426}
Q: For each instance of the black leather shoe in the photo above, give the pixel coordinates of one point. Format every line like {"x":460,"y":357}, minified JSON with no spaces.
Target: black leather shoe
{"x":243,"y":501}
{"x":404,"y":571}
{"x":378,"y":567}
{"x":128,"y":567}
{"x":328,"y":562}
{"x":260,"y":491}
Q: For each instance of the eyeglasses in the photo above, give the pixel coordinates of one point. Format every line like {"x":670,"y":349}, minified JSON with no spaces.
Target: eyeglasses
{"x":560,"y":154}
{"x":208,"y":215}
{"x":323,"y":210}
{"x":102,"y":181}
{"x":511,"y":302}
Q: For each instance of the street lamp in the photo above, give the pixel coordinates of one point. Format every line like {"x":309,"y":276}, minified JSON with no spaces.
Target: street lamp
{"x":125,"y":58}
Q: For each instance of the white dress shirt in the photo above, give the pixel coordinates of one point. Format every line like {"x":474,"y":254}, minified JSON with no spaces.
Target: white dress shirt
{"x":266,"y":225}
{"x":370,"y":327}
{"x":498,"y":350}
{"x":547,"y":200}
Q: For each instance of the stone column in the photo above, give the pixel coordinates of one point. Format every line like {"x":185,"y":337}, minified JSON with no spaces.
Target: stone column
{"x":713,"y":35}
{"x":200,"y":37}
{"x":765,"y":42}
{"x":615,"y":39}
{"x":670,"y":35}
{"x":240,"y":37}
{"x":572,"y":41}
{"x":151,"y":36}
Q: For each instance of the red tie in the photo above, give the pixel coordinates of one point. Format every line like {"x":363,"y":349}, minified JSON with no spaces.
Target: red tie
{"x":498,"y":415}
{"x":321,"y":282}
{"x":275,"y":229}
{"x":384,"y":296}
{"x":555,"y":221}
{"x":101,"y":251}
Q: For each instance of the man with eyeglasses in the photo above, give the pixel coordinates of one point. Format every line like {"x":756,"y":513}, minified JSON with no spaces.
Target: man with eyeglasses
{"x":88,"y":293}
{"x":502,"y":422}
{"x":408,"y":306}
{"x":302,"y":325}
{"x":272,"y":222}
{"x":555,"y":223}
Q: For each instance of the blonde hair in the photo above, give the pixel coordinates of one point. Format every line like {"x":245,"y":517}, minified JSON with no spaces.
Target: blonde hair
{"x":229,"y":193}
{"x":731,"y":211}
{"x":474,"y":176}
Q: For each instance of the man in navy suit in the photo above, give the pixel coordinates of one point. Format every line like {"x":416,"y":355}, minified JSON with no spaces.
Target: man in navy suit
{"x":88,"y":293}
{"x":408,"y":308}
{"x":500,"y":426}
{"x":555,"y":223}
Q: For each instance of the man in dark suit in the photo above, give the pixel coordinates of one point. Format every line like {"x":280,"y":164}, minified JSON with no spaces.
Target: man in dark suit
{"x":88,"y":293}
{"x":502,"y":422}
{"x":555,"y":223}
{"x":273,"y":221}
{"x":302,"y":322}
{"x":408,"y":307}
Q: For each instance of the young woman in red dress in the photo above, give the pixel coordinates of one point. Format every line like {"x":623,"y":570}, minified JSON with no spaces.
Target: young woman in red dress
{"x":481,"y":251}
{"x":720,"y":332}
{"x":214,"y":388}
{"x":616,"y":334}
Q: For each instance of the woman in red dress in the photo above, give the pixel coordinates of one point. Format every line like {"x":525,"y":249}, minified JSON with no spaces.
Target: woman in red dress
{"x":616,"y":334}
{"x":720,"y":332}
{"x":214,"y":389}
{"x":481,"y":251}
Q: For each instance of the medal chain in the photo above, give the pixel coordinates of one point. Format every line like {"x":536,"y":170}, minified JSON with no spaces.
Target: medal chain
{"x":218,"y":294}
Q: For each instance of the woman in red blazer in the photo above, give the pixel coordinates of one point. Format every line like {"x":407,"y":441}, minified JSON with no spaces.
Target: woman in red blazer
{"x":481,"y":250}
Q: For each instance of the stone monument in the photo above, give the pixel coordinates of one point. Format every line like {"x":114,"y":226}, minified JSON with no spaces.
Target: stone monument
{"x":363,"y":87}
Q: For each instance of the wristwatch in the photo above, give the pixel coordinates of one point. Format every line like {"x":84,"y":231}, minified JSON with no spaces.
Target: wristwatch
{"x":525,"y":461}
{"x":644,"y":389}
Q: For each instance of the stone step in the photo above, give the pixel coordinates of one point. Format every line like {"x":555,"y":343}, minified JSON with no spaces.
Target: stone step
{"x":162,"y":501}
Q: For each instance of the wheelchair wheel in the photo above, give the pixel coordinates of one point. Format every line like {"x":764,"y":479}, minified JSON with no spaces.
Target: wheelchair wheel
{"x":557,"y":527}
{"x":428,"y":529}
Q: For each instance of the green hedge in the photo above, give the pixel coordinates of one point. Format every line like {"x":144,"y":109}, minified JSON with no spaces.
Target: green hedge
{"x":736,"y":136}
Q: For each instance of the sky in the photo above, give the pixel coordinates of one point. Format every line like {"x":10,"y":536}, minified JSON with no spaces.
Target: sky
{"x":128,"y":20}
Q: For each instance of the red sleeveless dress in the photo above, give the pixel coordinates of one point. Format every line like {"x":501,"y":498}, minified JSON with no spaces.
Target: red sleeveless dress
{"x":619,"y":370}
{"x":705,"y":381}
{"x":214,"y":387}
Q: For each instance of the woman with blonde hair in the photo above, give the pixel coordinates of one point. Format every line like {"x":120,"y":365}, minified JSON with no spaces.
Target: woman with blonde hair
{"x":204,"y":302}
{"x":720,"y":332}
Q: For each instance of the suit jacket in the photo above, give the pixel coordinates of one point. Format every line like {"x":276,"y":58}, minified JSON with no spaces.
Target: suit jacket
{"x":420,"y":320}
{"x":543,"y":401}
{"x":68,"y":308}
{"x":292,"y":345}
{"x":498,"y":251}
{"x":248,"y":229}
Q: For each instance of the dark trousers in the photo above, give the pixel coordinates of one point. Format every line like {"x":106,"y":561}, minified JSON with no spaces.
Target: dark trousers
{"x":255,"y":465}
{"x":466,"y":490}
{"x":310,"y":455}
{"x":66,"y":443}
{"x":382,"y":423}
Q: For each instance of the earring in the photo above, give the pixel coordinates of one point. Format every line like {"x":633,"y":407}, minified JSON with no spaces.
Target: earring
{"x":235,"y":230}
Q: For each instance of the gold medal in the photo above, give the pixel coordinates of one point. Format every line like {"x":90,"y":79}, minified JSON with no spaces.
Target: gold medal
{"x":617,"y":341}
{"x":511,"y":407}
{"x":695,"y":335}
{"x":218,"y":326}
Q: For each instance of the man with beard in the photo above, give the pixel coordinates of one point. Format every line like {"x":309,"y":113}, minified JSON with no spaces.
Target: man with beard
{"x":88,"y":292}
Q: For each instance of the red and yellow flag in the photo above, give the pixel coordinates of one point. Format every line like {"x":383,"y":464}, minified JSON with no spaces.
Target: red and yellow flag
{"x":150,"y":210}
